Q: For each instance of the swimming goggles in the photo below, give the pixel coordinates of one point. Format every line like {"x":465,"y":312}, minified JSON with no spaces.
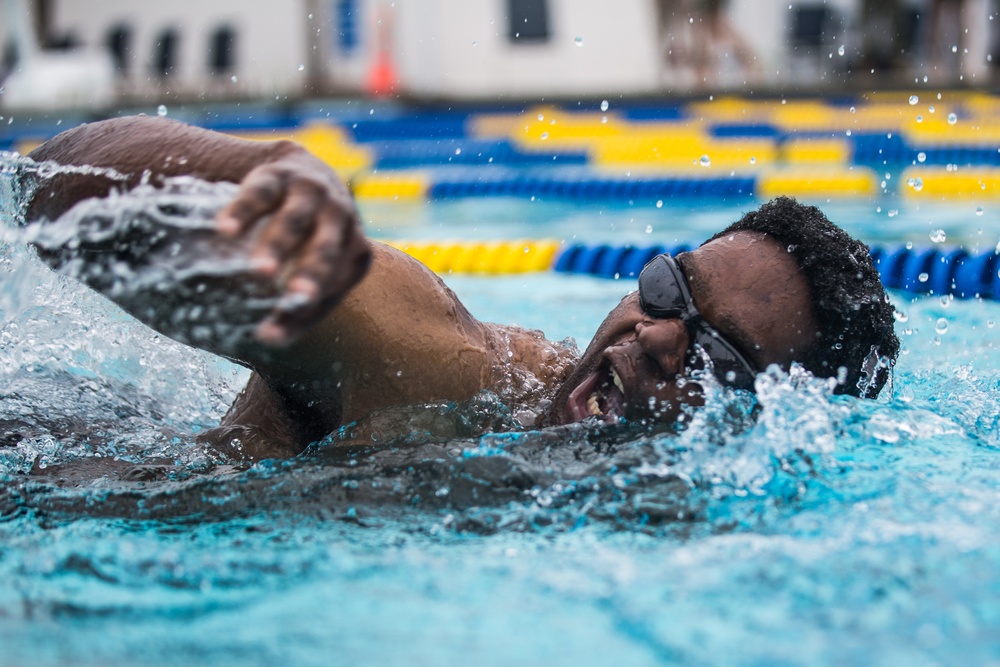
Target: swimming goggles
{"x":664,"y":293}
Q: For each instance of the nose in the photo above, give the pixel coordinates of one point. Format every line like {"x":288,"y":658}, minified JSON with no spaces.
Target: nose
{"x":665,"y":341}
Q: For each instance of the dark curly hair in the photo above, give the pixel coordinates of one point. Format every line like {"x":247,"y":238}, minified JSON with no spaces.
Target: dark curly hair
{"x":850,"y":304}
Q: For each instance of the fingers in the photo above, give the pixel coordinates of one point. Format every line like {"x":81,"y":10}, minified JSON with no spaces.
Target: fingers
{"x":311,"y":241}
{"x":260,"y":193}
{"x":326,"y":266}
{"x":292,"y":226}
{"x":335,"y":259}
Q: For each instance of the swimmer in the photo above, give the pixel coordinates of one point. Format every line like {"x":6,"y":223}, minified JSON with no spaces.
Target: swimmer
{"x":362,"y":328}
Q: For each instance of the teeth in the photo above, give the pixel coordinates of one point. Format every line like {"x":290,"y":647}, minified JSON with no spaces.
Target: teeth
{"x":618,"y":381}
{"x":592,"y":405}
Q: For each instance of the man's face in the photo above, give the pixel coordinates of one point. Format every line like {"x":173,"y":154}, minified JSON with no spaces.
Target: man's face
{"x":745,"y":285}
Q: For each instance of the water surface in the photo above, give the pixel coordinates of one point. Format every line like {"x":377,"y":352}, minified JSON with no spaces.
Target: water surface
{"x":828,"y":530}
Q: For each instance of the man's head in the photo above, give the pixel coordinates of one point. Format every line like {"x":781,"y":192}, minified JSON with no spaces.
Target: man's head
{"x":781,"y":285}
{"x":854,"y":317}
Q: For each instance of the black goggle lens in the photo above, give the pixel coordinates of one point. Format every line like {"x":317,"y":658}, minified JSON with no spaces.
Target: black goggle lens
{"x":664,"y":293}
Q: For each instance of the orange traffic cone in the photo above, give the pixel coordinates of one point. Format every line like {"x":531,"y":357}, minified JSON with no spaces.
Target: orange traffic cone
{"x":382,"y":78}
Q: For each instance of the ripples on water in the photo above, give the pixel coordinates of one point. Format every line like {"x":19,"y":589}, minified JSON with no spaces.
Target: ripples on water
{"x":825,"y":530}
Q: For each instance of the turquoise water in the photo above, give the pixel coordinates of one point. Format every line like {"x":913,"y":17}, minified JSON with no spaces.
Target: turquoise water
{"x":829,"y":531}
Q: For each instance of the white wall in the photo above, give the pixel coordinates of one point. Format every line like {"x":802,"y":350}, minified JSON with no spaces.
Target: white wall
{"x":461,"y":48}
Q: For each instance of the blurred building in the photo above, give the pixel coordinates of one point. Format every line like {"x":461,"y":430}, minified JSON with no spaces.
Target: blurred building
{"x":188,"y":50}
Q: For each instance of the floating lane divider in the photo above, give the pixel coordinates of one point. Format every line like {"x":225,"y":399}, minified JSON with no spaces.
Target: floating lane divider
{"x":822,"y":181}
{"x":485,"y":257}
{"x":918,"y":271}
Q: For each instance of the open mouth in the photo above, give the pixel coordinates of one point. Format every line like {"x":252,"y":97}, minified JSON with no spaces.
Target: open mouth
{"x":601,"y":395}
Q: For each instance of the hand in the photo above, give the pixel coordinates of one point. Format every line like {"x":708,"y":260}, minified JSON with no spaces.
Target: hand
{"x":311,"y":240}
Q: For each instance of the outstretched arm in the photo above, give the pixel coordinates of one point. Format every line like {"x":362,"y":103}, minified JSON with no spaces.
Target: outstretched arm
{"x":351,"y":341}
{"x":312,"y":233}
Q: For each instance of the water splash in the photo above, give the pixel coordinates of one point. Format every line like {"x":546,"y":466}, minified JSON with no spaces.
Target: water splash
{"x":155,"y":251}
{"x":80,"y":379}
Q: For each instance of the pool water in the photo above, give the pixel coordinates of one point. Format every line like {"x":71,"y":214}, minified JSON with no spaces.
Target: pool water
{"x":827,"y":531}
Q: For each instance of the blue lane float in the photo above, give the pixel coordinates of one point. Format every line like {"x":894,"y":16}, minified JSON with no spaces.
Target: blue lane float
{"x":585,"y":185}
{"x":465,"y":152}
{"x":918,"y":271}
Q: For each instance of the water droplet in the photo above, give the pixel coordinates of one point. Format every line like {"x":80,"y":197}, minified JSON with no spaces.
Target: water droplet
{"x":901,"y":316}
{"x":649,"y":229}
{"x":659,"y":203}
{"x":233,"y":78}
{"x":578,"y":41}
{"x":841,"y":51}
{"x":604,"y":105}
{"x":705,"y":161}
{"x":990,"y":324}
{"x":920,"y":118}
{"x":923,"y":277}
{"x":475,"y":43}
{"x":941,"y":326}
{"x":892,"y":213}
{"x":853,"y":110}
{"x":161,"y":110}
{"x":753,"y":160}
{"x":979,"y":210}
{"x":917,"y":185}
{"x":938,"y":236}
{"x":302,"y":67}
{"x":914,"y":99}
{"x":848,"y":133}
{"x":921,"y":156}
{"x":952,"y":118}
{"x":545,"y":135}
{"x":458,"y":151}
{"x":541,"y":116}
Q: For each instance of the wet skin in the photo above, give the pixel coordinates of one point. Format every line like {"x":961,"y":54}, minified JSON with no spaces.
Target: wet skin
{"x":745,"y":285}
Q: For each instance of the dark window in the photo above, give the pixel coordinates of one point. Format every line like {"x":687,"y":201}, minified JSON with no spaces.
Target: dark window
{"x":119,"y":44}
{"x":528,"y":20}
{"x":10,"y":56}
{"x":67,"y":41}
{"x":347,"y":24}
{"x":221,"y":49}
{"x":910,"y":29}
{"x":809,"y":26}
{"x":165,"y":53}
